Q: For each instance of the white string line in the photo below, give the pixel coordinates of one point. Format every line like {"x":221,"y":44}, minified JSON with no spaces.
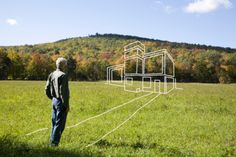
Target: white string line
{"x":108,"y":111}
{"x":36,"y":131}
{"x":122,"y":122}
{"x":43,"y":129}
{"x":177,"y":87}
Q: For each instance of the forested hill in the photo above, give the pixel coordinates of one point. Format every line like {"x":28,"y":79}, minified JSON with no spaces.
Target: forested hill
{"x":89,"y":56}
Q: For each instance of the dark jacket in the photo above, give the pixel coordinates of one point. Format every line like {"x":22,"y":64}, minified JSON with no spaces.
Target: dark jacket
{"x":57,"y":86}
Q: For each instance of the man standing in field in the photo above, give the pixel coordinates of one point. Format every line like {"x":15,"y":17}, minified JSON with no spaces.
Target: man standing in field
{"x":57,"y":90}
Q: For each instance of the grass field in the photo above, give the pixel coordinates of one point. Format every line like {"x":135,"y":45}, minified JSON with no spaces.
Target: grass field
{"x":197,"y":121}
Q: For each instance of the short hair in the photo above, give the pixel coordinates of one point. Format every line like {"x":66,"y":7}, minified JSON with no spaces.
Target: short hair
{"x":60,"y":61}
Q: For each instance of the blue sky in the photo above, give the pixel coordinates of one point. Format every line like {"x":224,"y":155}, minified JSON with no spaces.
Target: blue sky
{"x":210,"y":22}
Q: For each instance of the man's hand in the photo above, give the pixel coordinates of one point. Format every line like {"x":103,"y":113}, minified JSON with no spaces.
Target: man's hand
{"x":68,"y":109}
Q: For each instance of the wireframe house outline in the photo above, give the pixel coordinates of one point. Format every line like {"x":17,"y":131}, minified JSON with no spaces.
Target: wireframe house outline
{"x":154,"y":71}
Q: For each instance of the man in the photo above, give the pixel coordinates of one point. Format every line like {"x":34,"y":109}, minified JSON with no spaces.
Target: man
{"x":57,"y":89}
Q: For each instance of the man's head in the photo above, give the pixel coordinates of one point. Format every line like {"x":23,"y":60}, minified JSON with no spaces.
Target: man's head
{"x":61,"y":63}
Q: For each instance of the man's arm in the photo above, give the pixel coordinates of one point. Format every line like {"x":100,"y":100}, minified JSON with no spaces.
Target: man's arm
{"x":64,"y":92}
{"x":48,"y":87}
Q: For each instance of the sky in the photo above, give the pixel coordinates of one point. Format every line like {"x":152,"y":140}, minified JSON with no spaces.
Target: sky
{"x":209,"y":22}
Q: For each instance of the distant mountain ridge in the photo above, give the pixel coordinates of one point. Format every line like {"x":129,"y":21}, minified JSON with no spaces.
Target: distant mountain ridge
{"x":130,"y":37}
{"x":174,"y":44}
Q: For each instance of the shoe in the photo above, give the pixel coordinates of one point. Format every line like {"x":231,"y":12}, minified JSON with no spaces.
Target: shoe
{"x":53,"y":145}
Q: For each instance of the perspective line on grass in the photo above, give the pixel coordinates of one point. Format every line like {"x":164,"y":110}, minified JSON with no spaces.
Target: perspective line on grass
{"x":155,"y":71}
{"x":42,"y":129}
{"x":90,"y":118}
{"x":121,"y":124}
{"x":116,"y":107}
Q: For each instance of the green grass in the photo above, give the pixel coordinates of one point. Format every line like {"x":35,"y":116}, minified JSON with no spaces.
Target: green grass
{"x":197,"y":121}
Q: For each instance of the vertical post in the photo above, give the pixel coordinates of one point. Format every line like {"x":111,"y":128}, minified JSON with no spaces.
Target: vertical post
{"x":107,"y":75}
{"x":165,"y":85}
{"x":164,"y":63}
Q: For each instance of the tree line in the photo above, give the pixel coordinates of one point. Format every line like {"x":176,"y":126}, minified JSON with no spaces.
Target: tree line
{"x":88,"y":58}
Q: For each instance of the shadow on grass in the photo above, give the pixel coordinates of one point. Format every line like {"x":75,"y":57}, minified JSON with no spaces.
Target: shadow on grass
{"x":11,"y":147}
{"x":164,"y":150}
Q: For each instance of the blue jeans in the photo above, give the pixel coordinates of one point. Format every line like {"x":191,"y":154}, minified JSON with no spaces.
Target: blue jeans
{"x":59,"y":115}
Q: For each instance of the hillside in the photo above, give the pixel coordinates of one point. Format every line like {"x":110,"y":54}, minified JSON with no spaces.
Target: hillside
{"x":163,"y":43}
{"x":89,"y":56}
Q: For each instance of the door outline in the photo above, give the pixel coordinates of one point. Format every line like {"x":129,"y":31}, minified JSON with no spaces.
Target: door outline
{"x":157,"y":90}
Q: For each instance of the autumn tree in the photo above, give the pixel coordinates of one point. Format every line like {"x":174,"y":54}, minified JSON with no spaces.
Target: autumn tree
{"x":5,"y":63}
{"x":16,"y":68}
{"x":71,"y":64}
{"x":39,"y":67}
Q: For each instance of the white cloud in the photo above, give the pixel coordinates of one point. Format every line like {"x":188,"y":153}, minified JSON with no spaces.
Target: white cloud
{"x":206,"y":6}
{"x":11,"y":22}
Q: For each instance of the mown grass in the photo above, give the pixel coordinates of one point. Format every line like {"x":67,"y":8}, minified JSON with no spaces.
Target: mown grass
{"x":197,"y":121}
